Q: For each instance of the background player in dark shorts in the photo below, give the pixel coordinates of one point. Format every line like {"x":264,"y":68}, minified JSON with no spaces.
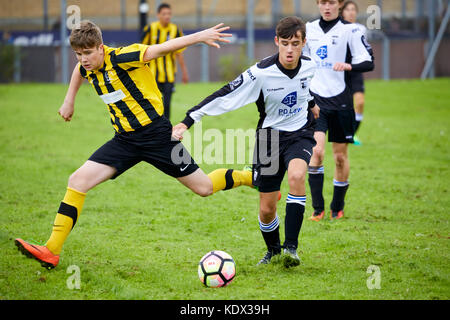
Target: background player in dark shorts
{"x":340,"y":125}
{"x":337,"y":47}
{"x":349,"y":13}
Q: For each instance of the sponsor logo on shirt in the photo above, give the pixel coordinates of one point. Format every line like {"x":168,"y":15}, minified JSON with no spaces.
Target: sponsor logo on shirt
{"x":106,"y":76}
{"x":236,"y":83}
{"x":290,"y":100}
{"x":304,"y":83}
{"x":250,"y":74}
{"x":322,"y":52}
{"x":334,"y":40}
{"x":274,"y":89}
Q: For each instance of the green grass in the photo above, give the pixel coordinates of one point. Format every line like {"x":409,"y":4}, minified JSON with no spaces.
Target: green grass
{"x":141,"y":236}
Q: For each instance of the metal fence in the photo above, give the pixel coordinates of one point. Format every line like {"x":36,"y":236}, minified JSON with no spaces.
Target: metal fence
{"x":34,"y":29}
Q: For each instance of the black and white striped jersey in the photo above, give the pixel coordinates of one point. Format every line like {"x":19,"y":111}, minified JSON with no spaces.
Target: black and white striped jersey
{"x":281,"y":95}
{"x":328,"y":42}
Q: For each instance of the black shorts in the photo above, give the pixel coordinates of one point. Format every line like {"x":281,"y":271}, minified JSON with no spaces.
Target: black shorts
{"x":153,"y":144}
{"x":272,"y":161}
{"x":340,"y":124}
{"x":356,"y":82}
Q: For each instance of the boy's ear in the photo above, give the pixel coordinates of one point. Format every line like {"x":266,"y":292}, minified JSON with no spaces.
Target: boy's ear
{"x":276,"y":41}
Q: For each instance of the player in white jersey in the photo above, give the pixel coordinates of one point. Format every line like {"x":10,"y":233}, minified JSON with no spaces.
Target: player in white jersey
{"x":337,"y":47}
{"x":349,"y":13}
{"x":285,"y":133}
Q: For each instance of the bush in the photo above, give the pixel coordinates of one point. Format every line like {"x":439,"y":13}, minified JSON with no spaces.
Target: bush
{"x":231,"y":66}
{"x":7,"y":54}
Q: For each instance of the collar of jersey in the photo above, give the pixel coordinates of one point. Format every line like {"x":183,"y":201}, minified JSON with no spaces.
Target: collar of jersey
{"x":328,"y":25}
{"x":291,"y":73}
{"x":161,"y":27}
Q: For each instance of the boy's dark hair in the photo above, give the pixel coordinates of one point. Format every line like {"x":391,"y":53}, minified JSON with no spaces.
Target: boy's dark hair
{"x":349,"y":2}
{"x":340,"y":1}
{"x":88,"y":35}
{"x":289,"y":26}
{"x":163,"y":6}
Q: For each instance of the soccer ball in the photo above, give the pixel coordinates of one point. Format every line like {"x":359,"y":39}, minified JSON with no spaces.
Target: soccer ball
{"x":216,"y":269}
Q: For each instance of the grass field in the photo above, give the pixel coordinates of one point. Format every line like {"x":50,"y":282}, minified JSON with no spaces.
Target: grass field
{"x":142,"y":235}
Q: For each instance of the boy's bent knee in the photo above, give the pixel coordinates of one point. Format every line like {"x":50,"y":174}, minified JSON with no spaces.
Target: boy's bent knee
{"x":203,"y":190}
{"x":78,"y":182}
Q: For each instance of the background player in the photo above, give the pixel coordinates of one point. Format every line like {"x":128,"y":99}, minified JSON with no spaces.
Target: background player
{"x":280,"y":87}
{"x":123,"y":80}
{"x":350,"y":13}
{"x":165,"y":68}
{"x":336,"y":46}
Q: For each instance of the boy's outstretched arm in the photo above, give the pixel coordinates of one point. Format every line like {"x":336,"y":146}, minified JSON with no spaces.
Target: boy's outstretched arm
{"x":67,"y":108}
{"x":209,"y":36}
{"x":245,"y":89}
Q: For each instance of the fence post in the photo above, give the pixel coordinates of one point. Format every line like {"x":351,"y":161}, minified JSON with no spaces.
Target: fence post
{"x":386,"y":57}
{"x":123,"y":14}
{"x":250,"y":30}
{"x":435,"y":46}
{"x":64,"y":51}
{"x":17,"y":64}
{"x":431,"y":32}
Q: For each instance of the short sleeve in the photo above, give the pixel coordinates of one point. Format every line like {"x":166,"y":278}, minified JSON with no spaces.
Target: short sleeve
{"x":359,"y":47}
{"x":132,"y":56}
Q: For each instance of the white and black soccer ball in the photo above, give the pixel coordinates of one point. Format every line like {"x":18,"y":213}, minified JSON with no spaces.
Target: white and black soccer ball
{"x":216,"y":269}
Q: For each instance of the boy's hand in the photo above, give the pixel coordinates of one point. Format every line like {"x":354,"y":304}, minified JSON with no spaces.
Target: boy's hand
{"x":211,"y":35}
{"x":341,"y":66}
{"x":316,"y":111}
{"x":178,"y":130}
{"x":66,"y":111}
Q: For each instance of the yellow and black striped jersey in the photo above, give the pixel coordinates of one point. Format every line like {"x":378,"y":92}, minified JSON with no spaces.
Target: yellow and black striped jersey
{"x":127,"y":86}
{"x":165,"y":67}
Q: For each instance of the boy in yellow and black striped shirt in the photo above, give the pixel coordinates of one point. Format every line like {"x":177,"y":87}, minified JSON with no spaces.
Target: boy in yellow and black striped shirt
{"x":165,"y":68}
{"x":126,"y":84}
{"x":127,"y":87}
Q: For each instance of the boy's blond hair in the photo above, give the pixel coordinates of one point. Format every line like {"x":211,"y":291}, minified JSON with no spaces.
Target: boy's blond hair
{"x":88,"y":35}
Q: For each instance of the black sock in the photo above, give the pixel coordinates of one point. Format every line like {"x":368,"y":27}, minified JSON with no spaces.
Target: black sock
{"x":340,"y":189}
{"x":271,"y":235}
{"x":315,"y":179}
{"x":295,"y":208}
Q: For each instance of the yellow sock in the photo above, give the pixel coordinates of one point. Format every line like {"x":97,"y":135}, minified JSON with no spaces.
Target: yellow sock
{"x":65,"y":220}
{"x":224,"y":179}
